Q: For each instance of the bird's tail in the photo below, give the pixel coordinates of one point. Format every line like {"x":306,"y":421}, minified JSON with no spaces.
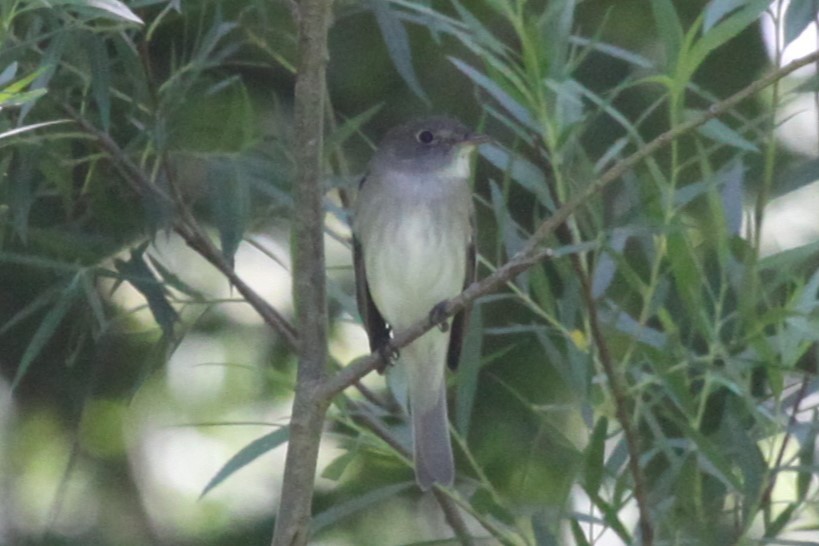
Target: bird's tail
{"x":432,"y":450}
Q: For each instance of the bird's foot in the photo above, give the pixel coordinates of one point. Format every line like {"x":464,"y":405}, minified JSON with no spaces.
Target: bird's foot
{"x":438,"y":316}
{"x":388,"y":357}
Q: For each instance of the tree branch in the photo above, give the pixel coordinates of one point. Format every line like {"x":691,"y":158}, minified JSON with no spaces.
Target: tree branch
{"x":309,"y":287}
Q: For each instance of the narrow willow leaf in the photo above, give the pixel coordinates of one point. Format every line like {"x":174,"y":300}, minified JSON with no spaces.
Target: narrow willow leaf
{"x":230,"y":202}
{"x":521,"y":170}
{"x":140,"y":276}
{"x":544,"y":536}
{"x":348,"y":129}
{"x":607,"y":265}
{"x":807,"y":459}
{"x":342,"y":510}
{"x":669,"y":30}
{"x":47,"y":329}
{"x":732,"y":196}
{"x":556,"y":28}
{"x":335,"y":469}
{"x":398,"y":46}
{"x":110,"y":8}
{"x":800,"y":14}
{"x":46,"y":297}
{"x":716,"y":10}
{"x":8,"y":74}
{"x":100,"y":77}
{"x":595,"y":457}
{"x":516,"y":109}
{"x":469,"y":368}
{"x":477,"y":31}
{"x":248,"y":454}
{"x":718,"y":131}
{"x":725,"y":30}
{"x":26,"y":128}
{"x":578,"y":534}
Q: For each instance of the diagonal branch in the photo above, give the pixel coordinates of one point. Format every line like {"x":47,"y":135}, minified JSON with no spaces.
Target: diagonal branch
{"x":184,"y":225}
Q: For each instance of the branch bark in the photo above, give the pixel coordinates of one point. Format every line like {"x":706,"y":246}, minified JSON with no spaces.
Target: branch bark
{"x":307,"y":419}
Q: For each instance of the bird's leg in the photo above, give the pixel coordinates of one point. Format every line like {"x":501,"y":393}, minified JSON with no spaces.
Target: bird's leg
{"x":438,"y":316}
{"x":388,"y":357}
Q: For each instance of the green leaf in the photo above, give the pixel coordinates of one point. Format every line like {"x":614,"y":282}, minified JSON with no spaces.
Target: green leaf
{"x":516,"y":109}
{"x":721,"y":33}
{"x":8,"y":74}
{"x":800,"y":14}
{"x":230,"y":202}
{"x":521,"y":170}
{"x":807,"y":456}
{"x":732,"y":196}
{"x":669,"y":30}
{"x":373,"y":498}
{"x":100,"y":77}
{"x":137,"y":272}
{"x":113,"y":9}
{"x":336,"y":469}
{"x":14,"y":94}
{"x":556,"y":28}
{"x":348,"y":129}
{"x":718,"y":131}
{"x":248,"y":454}
{"x":398,"y":46}
{"x":717,"y":9}
{"x":578,"y":534}
{"x":469,"y":368}
{"x":594,"y":460}
{"x":47,"y":328}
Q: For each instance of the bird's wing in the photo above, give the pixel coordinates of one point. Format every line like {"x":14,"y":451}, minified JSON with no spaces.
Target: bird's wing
{"x":377,"y":329}
{"x":460,"y":322}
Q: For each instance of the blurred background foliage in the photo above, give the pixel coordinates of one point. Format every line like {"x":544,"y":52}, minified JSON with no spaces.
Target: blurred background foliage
{"x":143,"y":402}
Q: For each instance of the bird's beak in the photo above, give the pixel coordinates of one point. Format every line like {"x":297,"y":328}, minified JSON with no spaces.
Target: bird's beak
{"x":476,"y":139}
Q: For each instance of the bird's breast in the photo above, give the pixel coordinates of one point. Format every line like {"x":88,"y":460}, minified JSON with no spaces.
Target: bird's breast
{"x":417,"y":260}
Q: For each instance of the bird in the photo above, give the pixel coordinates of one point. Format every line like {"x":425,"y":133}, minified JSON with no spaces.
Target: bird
{"x":414,"y":248}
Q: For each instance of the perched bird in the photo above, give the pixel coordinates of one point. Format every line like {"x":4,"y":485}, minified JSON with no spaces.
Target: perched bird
{"x":414,"y":247}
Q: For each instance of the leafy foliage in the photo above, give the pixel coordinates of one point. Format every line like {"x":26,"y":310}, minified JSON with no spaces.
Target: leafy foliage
{"x":662,"y":363}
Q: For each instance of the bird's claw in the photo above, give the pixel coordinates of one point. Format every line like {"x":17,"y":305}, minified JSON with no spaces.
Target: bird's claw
{"x":438,"y":316}
{"x":388,"y":357}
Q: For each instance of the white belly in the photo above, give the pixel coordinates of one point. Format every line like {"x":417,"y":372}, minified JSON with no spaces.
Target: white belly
{"x":415,"y":266}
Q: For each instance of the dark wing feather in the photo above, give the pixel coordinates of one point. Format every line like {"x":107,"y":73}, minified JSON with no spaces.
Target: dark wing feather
{"x":460,"y":322}
{"x":374,"y":323}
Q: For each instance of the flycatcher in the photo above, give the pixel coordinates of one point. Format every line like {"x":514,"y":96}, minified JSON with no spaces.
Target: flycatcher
{"x":414,"y":247}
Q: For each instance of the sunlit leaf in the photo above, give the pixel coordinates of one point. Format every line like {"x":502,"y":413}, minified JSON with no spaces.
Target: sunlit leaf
{"x":356,"y":503}
{"x":111,"y":8}
{"x":716,"y":10}
{"x":247,"y":455}
{"x":800,"y":14}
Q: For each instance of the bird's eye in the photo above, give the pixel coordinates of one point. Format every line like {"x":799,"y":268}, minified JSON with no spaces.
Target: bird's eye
{"x":425,"y":137}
